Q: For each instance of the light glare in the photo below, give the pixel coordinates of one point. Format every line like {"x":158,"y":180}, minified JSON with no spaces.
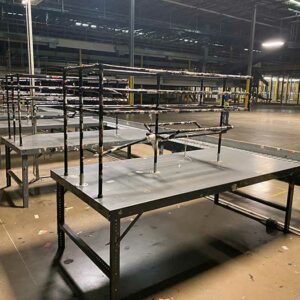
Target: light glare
{"x":273,"y":44}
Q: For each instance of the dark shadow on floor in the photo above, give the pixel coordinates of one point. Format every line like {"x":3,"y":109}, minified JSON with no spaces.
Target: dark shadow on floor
{"x":165,"y":247}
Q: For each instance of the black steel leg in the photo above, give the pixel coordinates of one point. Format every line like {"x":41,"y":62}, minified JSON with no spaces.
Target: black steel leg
{"x":217,"y":197}
{"x":25,"y":184}
{"x":60,"y":198}
{"x":115,"y":258}
{"x":129,"y":152}
{"x":289,"y":208}
{"x":8,"y":166}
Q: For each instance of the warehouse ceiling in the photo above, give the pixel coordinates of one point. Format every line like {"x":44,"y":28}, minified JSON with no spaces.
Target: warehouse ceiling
{"x":171,"y":29}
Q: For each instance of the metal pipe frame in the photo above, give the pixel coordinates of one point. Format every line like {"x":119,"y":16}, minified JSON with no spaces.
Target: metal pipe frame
{"x":155,"y":72}
{"x":119,"y":109}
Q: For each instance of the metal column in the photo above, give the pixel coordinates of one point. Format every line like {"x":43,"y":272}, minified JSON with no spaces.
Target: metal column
{"x":250,"y":60}
{"x":252,"y":39}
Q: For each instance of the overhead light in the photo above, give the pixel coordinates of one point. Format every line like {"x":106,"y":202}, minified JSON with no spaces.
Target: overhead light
{"x":294,"y":2}
{"x":274,"y":44}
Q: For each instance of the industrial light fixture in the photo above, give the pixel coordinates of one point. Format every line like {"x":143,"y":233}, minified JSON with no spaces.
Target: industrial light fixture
{"x":32,"y":2}
{"x":273,"y":44}
{"x":295,"y":2}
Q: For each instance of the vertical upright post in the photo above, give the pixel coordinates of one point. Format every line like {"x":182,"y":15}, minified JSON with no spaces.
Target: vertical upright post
{"x":289,"y":207}
{"x":19,"y":110}
{"x":204,"y":64}
{"x":271,"y":89}
{"x":13,"y":105}
{"x":25,"y":183}
{"x":287,"y":90}
{"x":117,"y":123}
{"x":205,"y":57}
{"x":248,"y":94}
{"x":157,"y":123}
{"x":7,"y":166}
{"x":117,"y":116}
{"x":217,"y":196}
{"x":65,"y":111}
{"x":114,"y":246}
{"x":221,"y":119}
{"x":31,"y":66}
{"x":282,"y":91}
{"x":131,"y":48}
{"x":30,"y":41}
{"x":201,"y":90}
{"x":60,"y":202}
{"x":141,"y":94}
{"x":252,"y":39}
{"x":298,"y":93}
{"x":8,"y":107}
{"x":277,"y":89}
{"x":80,"y":57}
{"x":100,"y":162}
{"x":81,"y":153}
{"x":250,"y":59}
{"x":129,"y":152}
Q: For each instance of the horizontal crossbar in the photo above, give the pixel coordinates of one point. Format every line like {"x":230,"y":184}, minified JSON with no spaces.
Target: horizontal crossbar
{"x":94,"y":257}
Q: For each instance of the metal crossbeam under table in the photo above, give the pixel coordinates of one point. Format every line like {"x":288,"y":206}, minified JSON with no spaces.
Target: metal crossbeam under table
{"x":131,"y":188}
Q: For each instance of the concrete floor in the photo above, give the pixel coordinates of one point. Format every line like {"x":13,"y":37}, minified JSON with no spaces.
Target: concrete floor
{"x":192,"y":251}
{"x":276,"y":129}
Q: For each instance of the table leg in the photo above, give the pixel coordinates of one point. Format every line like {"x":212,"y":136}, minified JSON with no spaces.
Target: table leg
{"x":8,"y":165}
{"x":60,"y":200}
{"x":217,"y":197}
{"x":129,"y":152}
{"x":289,"y":207}
{"x":115,"y":258}
{"x":25,"y":183}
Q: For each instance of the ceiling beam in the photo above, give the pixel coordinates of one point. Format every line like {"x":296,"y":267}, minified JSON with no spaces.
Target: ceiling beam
{"x":209,"y":11}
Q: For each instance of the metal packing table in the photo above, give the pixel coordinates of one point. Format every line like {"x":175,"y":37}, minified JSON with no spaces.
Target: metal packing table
{"x":54,"y":142}
{"x":130,"y":188}
{"x":49,"y":124}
